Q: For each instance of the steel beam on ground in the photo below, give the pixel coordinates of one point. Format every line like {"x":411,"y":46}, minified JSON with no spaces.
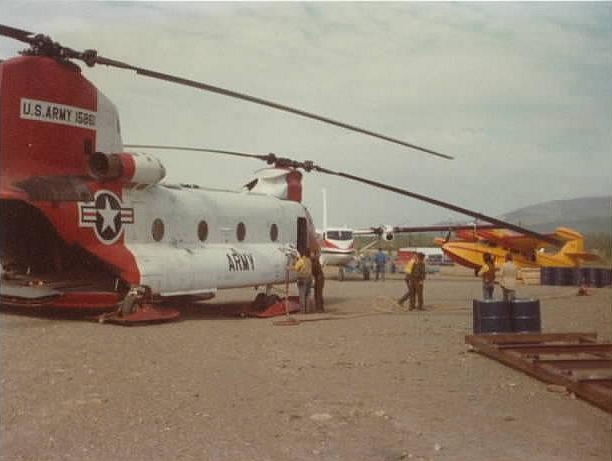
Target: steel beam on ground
{"x":524,"y":353}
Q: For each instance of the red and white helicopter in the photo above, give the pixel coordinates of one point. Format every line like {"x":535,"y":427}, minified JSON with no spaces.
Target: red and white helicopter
{"x":88,"y":225}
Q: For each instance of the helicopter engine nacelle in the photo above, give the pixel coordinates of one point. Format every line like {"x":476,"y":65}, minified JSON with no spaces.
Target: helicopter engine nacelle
{"x":278,"y":182}
{"x":130,"y":168}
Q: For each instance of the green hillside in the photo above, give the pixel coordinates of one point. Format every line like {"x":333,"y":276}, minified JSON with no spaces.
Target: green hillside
{"x":586,"y":215}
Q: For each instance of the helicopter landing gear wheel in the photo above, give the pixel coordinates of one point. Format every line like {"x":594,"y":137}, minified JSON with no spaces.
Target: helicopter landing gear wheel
{"x":129,"y":303}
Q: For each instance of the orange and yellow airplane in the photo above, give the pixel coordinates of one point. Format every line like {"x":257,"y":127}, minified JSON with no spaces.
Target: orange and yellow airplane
{"x":473,"y":242}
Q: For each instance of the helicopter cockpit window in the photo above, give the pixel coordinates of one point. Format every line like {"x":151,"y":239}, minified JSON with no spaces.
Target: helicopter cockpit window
{"x":240,"y":231}
{"x":339,"y":235}
{"x":274,"y":232}
{"x":157,"y":230}
{"x":203,"y":231}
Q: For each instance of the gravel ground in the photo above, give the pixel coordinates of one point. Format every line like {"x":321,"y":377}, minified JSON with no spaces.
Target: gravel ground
{"x":354,"y":383}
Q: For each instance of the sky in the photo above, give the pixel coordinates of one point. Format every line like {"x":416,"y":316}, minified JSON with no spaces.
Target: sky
{"x":520,"y":94}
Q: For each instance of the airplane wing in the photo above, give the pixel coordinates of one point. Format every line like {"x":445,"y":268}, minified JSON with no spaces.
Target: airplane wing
{"x":367,"y":231}
{"x":509,"y":239}
{"x":583,"y":256}
{"x":416,"y":229}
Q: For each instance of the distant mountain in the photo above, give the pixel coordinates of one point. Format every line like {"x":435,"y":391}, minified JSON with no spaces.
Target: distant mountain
{"x":586,"y":215}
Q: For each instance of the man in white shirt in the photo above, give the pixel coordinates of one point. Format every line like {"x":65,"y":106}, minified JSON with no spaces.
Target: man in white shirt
{"x":508,"y":274}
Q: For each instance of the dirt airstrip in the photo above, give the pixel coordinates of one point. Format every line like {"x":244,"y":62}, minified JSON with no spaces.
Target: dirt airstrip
{"x":354,"y":383}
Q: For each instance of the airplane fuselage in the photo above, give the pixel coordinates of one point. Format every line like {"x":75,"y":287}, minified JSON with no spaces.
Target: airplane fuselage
{"x":337,"y":247}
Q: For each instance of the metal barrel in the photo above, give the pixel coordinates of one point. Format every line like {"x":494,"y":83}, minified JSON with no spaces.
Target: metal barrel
{"x":547,"y":275}
{"x":491,"y":316}
{"x":526,"y":316}
{"x":583,"y":275}
{"x":564,"y":276}
{"x":595,"y":275}
{"x":606,"y":277}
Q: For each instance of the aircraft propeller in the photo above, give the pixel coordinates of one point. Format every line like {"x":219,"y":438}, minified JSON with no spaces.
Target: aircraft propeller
{"x":42,"y":45}
{"x":309,"y":165}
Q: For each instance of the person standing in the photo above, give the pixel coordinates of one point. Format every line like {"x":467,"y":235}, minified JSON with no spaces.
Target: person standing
{"x":318,"y":280}
{"x":487,"y":272}
{"x":408,"y":280}
{"x":303,"y":267}
{"x":417,"y":278}
{"x":380,"y":259}
{"x":508,"y":274}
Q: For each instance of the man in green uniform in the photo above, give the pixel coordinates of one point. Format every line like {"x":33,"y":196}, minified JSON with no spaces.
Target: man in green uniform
{"x":417,"y":278}
{"x":408,"y":280}
{"x":303,"y":267}
{"x":319,"y":281}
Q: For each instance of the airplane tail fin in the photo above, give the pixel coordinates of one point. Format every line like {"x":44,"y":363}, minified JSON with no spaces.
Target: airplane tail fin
{"x":574,"y":246}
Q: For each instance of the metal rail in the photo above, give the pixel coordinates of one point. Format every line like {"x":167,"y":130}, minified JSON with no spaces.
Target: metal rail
{"x":573,"y":360}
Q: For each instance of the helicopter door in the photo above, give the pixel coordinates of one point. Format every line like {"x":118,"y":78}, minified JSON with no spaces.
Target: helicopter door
{"x":302,"y":235}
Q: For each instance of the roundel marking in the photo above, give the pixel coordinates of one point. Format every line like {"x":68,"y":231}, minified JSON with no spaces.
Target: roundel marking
{"x":106,"y":216}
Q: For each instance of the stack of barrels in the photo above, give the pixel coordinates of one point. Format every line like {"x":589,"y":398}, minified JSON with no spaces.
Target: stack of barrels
{"x":496,"y":316}
{"x":567,"y":276}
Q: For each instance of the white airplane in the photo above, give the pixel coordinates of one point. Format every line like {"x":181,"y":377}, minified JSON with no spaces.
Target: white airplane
{"x":337,"y":244}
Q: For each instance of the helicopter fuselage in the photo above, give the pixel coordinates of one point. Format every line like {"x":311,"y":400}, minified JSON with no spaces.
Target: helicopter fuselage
{"x":73,"y":202}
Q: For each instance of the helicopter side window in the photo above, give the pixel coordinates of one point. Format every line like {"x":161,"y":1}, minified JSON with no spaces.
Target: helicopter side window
{"x":274,"y":232}
{"x":333,"y":235}
{"x":240,"y":231}
{"x":203,"y":231}
{"x":157,"y":230}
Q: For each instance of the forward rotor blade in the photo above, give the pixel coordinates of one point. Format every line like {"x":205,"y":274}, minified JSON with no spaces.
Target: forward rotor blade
{"x":311,"y":166}
{"x":91,"y":57}
{"x":448,"y":206}
{"x":448,"y":228}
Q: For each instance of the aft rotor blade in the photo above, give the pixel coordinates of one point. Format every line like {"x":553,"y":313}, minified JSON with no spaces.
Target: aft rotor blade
{"x":17,"y":34}
{"x":91,"y":57}
{"x":448,"y":206}
{"x":196,"y":149}
{"x":270,"y":159}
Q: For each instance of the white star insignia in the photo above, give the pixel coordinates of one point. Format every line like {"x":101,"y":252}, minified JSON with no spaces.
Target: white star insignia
{"x":108,"y":216}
